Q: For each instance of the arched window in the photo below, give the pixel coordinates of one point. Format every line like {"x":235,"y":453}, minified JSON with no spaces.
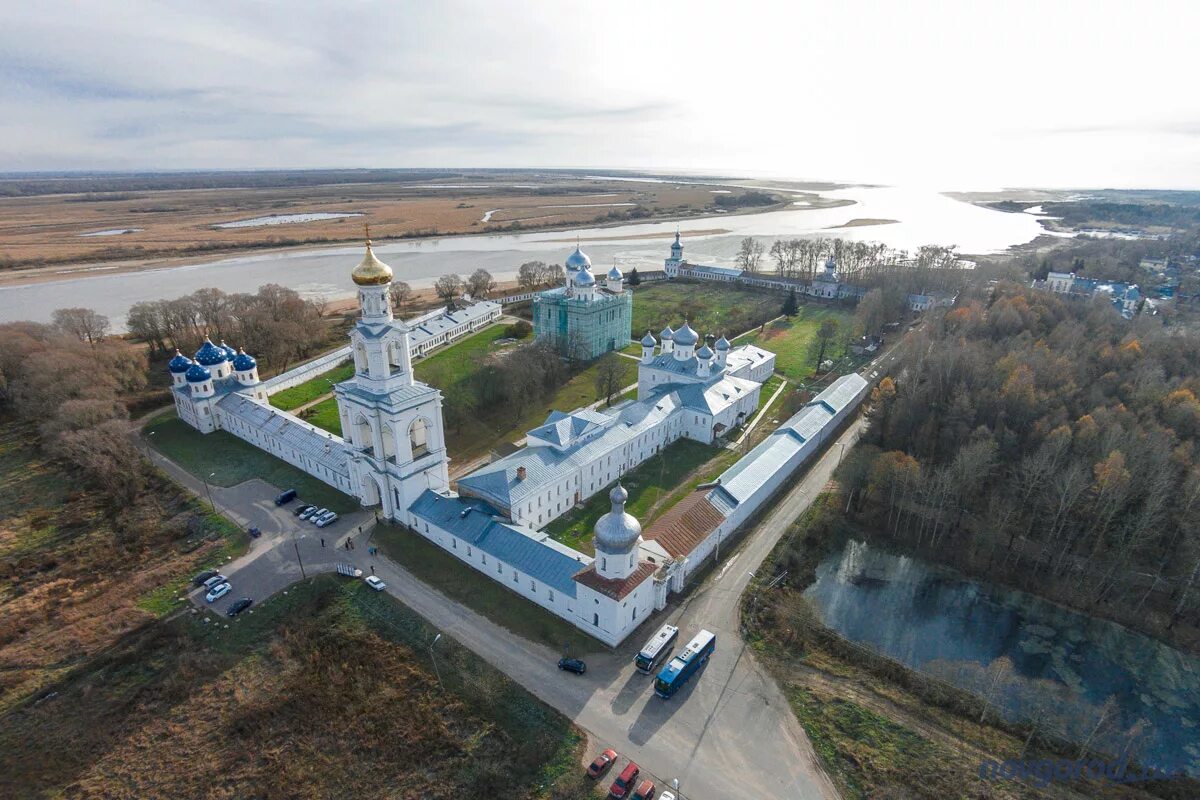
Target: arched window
{"x":418,"y":437}
{"x":596,"y":620}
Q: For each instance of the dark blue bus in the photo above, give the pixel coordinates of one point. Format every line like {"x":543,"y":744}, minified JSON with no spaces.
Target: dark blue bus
{"x":680,"y":669}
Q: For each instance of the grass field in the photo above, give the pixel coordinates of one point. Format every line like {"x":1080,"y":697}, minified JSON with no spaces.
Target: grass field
{"x":326,"y":690}
{"x":324,"y":415}
{"x":310,"y":390}
{"x":463,"y":583}
{"x":789,"y":339}
{"x":234,"y":461}
{"x":458,"y":361}
{"x":647,"y":484}
{"x":708,"y":307}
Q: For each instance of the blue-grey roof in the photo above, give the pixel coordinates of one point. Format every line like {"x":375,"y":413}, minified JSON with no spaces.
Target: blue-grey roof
{"x":476,"y":523}
{"x":562,"y":430}
{"x":498,"y":483}
{"x":293,"y":433}
{"x":197,"y":374}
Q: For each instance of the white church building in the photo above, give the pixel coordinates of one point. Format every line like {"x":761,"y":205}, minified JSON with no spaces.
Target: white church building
{"x":393,"y":456}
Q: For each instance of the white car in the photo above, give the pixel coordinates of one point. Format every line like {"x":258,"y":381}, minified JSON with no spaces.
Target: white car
{"x":316,"y":515}
{"x":215,"y":581}
{"x":667,"y":796}
{"x":329,"y":518}
{"x":218,"y":592}
{"x":375,"y":583}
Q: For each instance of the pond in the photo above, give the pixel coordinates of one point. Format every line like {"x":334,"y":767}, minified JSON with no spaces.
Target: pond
{"x":1072,"y":671}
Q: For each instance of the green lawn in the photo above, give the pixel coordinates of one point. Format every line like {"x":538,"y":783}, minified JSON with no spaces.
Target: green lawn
{"x":234,"y":461}
{"x":709,"y":307}
{"x":310,"y":390}
{"x":459,"y":361}
{"x":648,"y":483}
{"x":788,"y":339}
{"x":324,"y":415}
{"x":463,"y":583}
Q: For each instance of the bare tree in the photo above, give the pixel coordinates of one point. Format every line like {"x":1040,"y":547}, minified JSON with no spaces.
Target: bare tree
{"x":448,"y":286}
{"x":531,"y":274}
{"x":750,"y":254}
{"x":401,"y":294}
{"x":481,"y":284}
{"x":610,"y":372}
{"x":82,"y":323}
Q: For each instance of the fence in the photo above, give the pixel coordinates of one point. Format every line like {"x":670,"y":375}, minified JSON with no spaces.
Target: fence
{"x":306,"y":371}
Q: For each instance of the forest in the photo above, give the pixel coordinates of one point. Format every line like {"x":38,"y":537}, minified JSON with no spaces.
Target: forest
{"x":1049,"y":444}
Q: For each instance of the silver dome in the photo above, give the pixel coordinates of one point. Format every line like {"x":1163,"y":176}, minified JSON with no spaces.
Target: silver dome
{"x":704,"y":353}
{"x":667,"y":334}
{"x":617,"y":531}
{"x":648,"y":340}
{"x":686,"y":336}
{"x":578,"y":260}
{"x":614,"y":274}
{"x":585,"y":278}
{"x":722,"y":344}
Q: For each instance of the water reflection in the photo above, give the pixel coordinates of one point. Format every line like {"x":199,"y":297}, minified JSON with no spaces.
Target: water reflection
{"x":1043,"y":660}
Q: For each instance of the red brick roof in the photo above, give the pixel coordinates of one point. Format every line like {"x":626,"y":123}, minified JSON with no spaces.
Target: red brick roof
{"x":686,"y":525}
{"x":616,"y":589}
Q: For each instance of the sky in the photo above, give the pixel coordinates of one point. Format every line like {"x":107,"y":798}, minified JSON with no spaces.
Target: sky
{"x":947,"y":95}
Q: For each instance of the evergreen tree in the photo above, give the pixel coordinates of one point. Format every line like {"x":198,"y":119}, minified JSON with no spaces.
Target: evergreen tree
{"x":791,"y":305}
{"x":634,"y":279}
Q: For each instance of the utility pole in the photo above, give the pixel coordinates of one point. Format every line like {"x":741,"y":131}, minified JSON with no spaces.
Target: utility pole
{"x":208,"y":491}
{"x":433,"y":657}
{"x":299,"y":561}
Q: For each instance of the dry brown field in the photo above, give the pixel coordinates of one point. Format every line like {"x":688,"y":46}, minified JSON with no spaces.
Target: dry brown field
{"x":49,"y":229}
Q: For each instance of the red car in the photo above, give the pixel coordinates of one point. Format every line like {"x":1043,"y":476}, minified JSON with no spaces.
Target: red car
{"x":645,"y":791}
{"x":621,"y":786}
{"x":602,"y":763}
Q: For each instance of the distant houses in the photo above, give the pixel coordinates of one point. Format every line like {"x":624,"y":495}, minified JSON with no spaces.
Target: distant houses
{"x":1125,"y":297}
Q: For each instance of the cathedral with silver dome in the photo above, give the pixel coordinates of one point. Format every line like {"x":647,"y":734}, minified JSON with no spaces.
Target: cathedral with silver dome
{"x":585,"y":317}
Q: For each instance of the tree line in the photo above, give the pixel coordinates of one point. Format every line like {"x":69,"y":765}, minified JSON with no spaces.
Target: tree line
{"x":1047,"y":442}
{"x":274,"y":324}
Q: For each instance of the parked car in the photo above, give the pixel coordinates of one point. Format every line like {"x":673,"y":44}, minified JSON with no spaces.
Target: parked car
{"x":645,"y":791}
{"x":199,"y":580}
{"x":572,"y":665}
{"x":629,"y":775}
{"x":239,"y":606}
{"x":285,"y":497}
{"x":299,"y":510}
{"x":375,"y":583}
{"x":217,"y":592}
{"x":312,"y":512}
{"x":327,"y":519}
{"x":254,"y":532}
{"x":602,"y":763}
{"x":316,"y":515}
{"x":667,"y":796}
{"x":216,"y":580}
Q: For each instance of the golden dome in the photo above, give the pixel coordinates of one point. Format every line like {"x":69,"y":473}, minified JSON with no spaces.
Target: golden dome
{"x":371,"y":271}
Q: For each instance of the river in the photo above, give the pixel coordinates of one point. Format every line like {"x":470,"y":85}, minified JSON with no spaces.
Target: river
{"x":1069,"y":664}
{"x":922,"y":217}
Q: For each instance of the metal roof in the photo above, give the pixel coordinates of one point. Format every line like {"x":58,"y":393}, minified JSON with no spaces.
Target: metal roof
{"x":525,"y":550}
{"x":293,"y":433}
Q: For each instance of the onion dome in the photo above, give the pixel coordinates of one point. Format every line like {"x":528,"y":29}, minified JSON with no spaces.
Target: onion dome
{"x":585,"y":278}
{"x":667,"y":334}
{"x":722,"y":344}
{"x":614,"y":274}
{"x":244,"y":361}
{"x":704,"y":353}
{"x":578,"y":260}
{"x":179,"y":363}
{"x":617,"y":531}
{"x":230,"y":353}
{"x":648,"y":340}
{"x":209,"y":354}
{"x":371,"y":271}
{"x":198,"y":374}
{"x":686,"y":336}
